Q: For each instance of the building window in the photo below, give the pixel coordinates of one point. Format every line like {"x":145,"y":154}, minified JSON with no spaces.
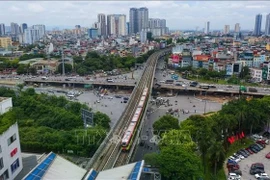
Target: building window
{"x":15,"y":165}
{"x":1,"y":163}
{"x":4,"y":176}
{"x":11,"y":139}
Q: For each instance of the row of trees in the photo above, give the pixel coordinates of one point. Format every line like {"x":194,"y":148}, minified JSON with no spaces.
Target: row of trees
{"x":206,"y":137}
{"x":207,"y":74}
{"x":93,"y":61}
{"x":50,"y":123}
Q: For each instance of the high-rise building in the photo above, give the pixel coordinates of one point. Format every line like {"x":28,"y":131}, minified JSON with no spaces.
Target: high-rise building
{"x":15,"y":28}
{"x":102,"y":24}
{"x":138,"y":19}
{"x":237,"y":28}
{"x":207,"y":27}
{"x":23,"y":27}
{"x":31,"y":35}
{"x":41,"y":28}
{"x":267,"y":25}
{"x":163,"y":23}
{"x":258,"y":25}
{"x":2,"y":29}
{"x":226,"y":29}
{"x":116,"y":24}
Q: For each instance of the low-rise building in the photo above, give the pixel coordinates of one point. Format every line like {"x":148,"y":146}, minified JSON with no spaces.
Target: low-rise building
{"x":5,"y":42}
{"x":256,"y":74}
{"x":5,"y":104}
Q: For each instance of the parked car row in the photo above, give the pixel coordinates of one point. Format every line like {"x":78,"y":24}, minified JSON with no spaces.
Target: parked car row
{"x":256,"y":169}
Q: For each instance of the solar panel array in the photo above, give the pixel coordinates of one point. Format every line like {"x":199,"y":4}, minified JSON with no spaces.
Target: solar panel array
{"x":38,"y":172}
{"x":135,"y":174}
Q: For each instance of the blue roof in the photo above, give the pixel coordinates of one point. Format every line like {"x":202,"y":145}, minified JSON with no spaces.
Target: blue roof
{"x":93,"y":174}
{"x":136,"y":172}
{"x":38,"y":172}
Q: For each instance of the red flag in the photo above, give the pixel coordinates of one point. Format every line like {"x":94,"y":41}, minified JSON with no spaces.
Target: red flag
{"x":243,"y":135}
{"x":233,"y":139}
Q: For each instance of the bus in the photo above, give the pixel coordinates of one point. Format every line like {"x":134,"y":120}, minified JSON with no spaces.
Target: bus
{"x":204,"y":86}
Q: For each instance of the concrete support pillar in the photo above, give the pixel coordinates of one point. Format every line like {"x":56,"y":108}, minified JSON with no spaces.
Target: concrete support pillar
{"x":41,"y":85}
{"x":64,"y":86}
{"x":231,"y":94}
{"x":200,"y":92}
{"x":171,"y":91}
{"x":117,"y":88}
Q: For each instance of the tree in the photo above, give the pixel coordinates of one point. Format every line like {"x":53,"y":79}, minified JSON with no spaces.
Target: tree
{"x":178,"y":163}
{"x":151,"y":159}
{"x":164,"y":124}
{"x":32,"y":71}
{"x":102,"y":120}
{"x":68,"y":68}
{"x":217,"y":153}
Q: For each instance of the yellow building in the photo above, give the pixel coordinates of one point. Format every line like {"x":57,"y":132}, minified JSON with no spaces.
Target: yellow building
{"x":268,"y":47}
{"x":5,"y":42}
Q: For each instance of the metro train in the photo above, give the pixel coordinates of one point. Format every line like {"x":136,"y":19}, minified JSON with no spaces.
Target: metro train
{"x":130,"y":132}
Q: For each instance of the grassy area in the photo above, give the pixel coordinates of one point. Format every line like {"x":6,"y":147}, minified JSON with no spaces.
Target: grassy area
{"x":221,"y":175}
{"x":238,"y":145}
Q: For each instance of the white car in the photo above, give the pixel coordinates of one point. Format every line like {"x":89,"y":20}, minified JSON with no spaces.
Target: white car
{"x":234,"y":176}
{"x":239,"y":155}
{"x":261,"y":175}
{"x":235,"y":159}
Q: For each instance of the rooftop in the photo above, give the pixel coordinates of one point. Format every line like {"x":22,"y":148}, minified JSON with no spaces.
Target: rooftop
{"x":56,"y":167}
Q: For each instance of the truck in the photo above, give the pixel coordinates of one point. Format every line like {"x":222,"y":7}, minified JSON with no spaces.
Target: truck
{"x":252,"y":90}
{"x":243,"y":89}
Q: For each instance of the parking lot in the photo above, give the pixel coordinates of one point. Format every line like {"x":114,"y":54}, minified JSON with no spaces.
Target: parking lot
{"x":255,"y":158}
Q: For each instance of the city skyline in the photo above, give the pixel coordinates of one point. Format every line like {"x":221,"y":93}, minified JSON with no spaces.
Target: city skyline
{"x":179,"y":15}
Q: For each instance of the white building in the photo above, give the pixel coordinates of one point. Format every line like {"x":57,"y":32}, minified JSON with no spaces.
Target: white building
{"x":256,"y":74}
{"x":10,"y":153}
{"x":33,"y":34}
{"x":116,"y":24}
{"x":5,"y":104}
{"x":226,"y":29}
{"x":207,"y":27}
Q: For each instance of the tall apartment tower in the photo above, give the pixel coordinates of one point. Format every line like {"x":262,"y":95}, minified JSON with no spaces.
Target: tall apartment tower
{"x":226,"y":29}
{"x":15,"y":28}
{"x":138,"y":19}
{"x":207,"y":27}
{"x":116,"y":24}
{"x":23,"y":27}
{"x":2,"y":29}
{"x":237,"y":28}
{"x":267,"y":25}
{"x":258,"y":25}
{"x":102,"y":24}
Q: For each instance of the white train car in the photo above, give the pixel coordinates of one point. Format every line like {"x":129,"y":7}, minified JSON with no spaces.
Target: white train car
{"x":135,"y":121}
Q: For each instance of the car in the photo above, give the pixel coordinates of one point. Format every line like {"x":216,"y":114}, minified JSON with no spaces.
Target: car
{"x":263,"y":141}
{"x":260,"y":146}
{"x":263,"y":178}
{"x":249,"y":150}
{"x":118,"y":96}
{"x":234,"y":176}
{"x":242,"y":153}
{"x":245,"y":151}
{"x":267,"y":155}
{"x":239,"y":156}
{"x":261,"y":175}
{"x":211,"y":86}
{"x":257,"y":146}
{"x":178,"y":84}
{"x":236,"y":171}
{"x":233,"y":165}
{"x":256,"y":171}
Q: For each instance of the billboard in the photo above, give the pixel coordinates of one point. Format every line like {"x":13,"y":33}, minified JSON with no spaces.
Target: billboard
{"x":88,"y":117}
{"x":264,"y":72}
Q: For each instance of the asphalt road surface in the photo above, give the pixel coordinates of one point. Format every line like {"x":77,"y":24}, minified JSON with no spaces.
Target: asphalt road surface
{"x":185,"y":103}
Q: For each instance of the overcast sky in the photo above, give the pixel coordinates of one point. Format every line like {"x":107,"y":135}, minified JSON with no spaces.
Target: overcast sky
{"x":179,"y":14}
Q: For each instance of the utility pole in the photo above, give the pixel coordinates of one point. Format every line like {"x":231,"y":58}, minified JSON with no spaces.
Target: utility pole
{"x":63,"y":63}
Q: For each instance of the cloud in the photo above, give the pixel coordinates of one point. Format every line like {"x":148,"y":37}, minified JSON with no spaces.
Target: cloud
{"x":36,"y":8}
{"x":179,"y":14}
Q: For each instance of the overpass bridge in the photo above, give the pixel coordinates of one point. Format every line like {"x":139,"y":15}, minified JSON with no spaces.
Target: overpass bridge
{"x":129,"y":85}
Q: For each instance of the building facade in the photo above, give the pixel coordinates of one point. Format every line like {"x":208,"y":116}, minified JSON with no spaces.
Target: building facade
{"x":23,"y":27}
{"x":258,"y":25}
{"x":93,"y":33}
{"x":102,"y":24}
{"x":237,"y":28}
{"x":207,"y":27}
{"x":116,"y":24}
{"x":2,"y":29}
{"x":5,"y":105}
{"x":267,"y":25}
{"x":226,"y":29}
{"x":5,"y":42}
{"x":138,"y":19}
